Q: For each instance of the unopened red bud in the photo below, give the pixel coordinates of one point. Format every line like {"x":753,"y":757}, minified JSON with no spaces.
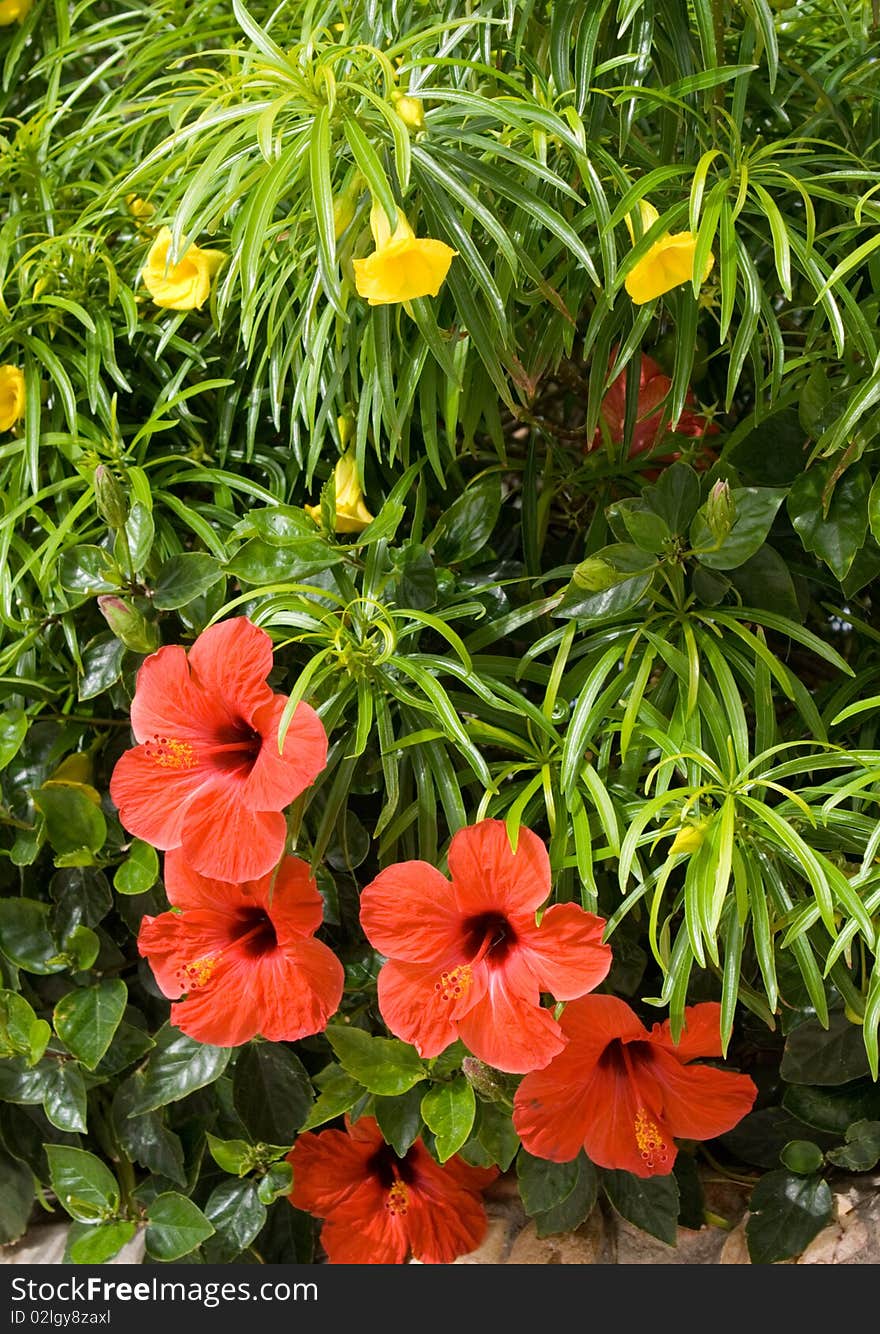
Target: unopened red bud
{"x":128,"y":624}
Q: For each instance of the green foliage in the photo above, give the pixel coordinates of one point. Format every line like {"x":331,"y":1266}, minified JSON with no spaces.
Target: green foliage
{"x":654,"y":644}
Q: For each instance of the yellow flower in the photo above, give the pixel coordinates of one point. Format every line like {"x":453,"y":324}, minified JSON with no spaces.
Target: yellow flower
{"x":13,"y":11}
{"x":11,"y":397}
{"x":184,"y":285}
{"x":688,"y":839}
{"x":403,"y":266}
{"x":667,"y":263}
{"x":410,"y":110}
{"x":139,"y":208}
{"x":352,"y":515}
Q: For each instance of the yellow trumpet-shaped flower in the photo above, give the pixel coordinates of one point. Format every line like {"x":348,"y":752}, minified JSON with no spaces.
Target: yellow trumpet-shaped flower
{"x":688,"y":839}
{"x":139,"y":208}
{"x":667,"y":263}
{"x":352,"y":515}
{"x":410,"y":110}
{"x":13,"y":11}
{"x":11,"y":397}
{"x":184,"y":285}
{"x":403,"y":266}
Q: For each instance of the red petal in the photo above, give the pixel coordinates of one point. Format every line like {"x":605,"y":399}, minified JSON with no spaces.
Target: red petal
{"x":591,"y":1022}
{"x":566,"y":953}
{"x":701,"y":1035}
{"x":152,"y":800}
{"x":292,"y":900}
{"x":223,"y":1011}
{"x":232,"y":660}
{"x":364,"y":1232}
{"x":610,"y":1135}
{"x":275,"y":780}
{"x":168,"y":702}
{"x":408,"y":913}
{"x":328,"y":1169}
{"x":510,"y":1033}
{"x":169,"y":942}
{"x":187,"y":889}
{"x":700,"y":1102}
{"x":443,"y":1220}
{"x":551,"y":1115}
{"x":413,"y":1010}
{"x":224,"y":840}
{"x":488,"y":877}
{"x":296,"y":990}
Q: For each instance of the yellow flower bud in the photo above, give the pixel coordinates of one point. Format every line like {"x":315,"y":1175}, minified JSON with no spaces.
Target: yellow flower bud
{"x":139,"y":208}
{"x":352,"y":515}
{"x":14,"y":11}
{"x":410,"y":110}
{"x":667,"y":263}
{"x":184,"y":284}
{"x":11,"y":397}
{"x":688,"y":839}
{"x":403,"y":266}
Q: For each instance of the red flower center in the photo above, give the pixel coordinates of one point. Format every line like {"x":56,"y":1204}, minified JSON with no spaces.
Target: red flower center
{"x":236,"y":748}
{"x":253,"y":932}
{"x":389,"y":1170}
{"x":619,"y":1057}
{"x":489,"y":938}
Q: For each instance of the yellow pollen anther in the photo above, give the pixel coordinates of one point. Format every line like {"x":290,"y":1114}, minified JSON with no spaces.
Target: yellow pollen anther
{"x":170,"y":753}
{"x":195,"y":973}
{"x":398,"y":1199}
{"x":453,"y":985}
{"x":652,"y":1146}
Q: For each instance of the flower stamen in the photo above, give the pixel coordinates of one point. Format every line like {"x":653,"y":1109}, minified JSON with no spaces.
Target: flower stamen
{"x":170,"y":753}
{"x":652,"y":1147}
{"x":455,"y":983}
{"x":398,"y":1199}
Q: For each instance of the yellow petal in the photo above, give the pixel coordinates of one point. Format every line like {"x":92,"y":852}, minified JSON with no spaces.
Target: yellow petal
{"x":688,"y":839}
{"x":403,"y":270}
{"x":13,"y":11}
{"x":649,"y":216}
{"x":11,"y":397}
{"x":668,"y":264}
{"x":381,"y":228}
{"x":184,"y":285}
{"x":352,"y":515}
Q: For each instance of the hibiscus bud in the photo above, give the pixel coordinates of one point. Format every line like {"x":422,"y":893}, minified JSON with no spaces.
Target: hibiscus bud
{"x":720,"y":511}
{"x":483,"y":1079}
{"x":595,"y":574}
{"x":410,"y":110}
{"x":128,"y":624}
{"x":110,"y":498}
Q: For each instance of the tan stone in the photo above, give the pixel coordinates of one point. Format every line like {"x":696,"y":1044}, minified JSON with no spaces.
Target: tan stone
{"x":586,"y":1246}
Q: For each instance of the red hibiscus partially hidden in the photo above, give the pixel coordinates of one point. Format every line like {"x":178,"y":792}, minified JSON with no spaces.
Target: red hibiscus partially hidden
{"x":622,"y":1093}
{"x":207,"y":775}
{"x":466,"y":959}
{"x":651,"y":422}
{"x":243,"y":956}
{"x":378,"y":1208}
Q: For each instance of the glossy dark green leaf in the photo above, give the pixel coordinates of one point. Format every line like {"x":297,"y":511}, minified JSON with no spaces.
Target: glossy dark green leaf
{"x":572,"y":1208}
{"x":88,"y":569}
{"x":146,"y":1138}
{"x":25,"y":937}
{"x":675,"y":496}
{"x":338,"y":1093}
{"x":64,"y":1096}
{"x":835,"y":534}
{"x":786,"y":1212}
{"x":764,"y":581}
{"x":861,"y":1153}
{"x":85,"y":1186}
{"x":761,"y":1136}
{"x":449,"y":1111}
{"x":259,"y":562}
{"x":833,"y":1109}
{"x":177,"y":1066}
{"x":102,"y":666}
{"x":756,"y":508}
{"x":543,"y":1184}
{"x":817,"y":1055}
{"x":13,"y":730}
{"x":21,"y":1032}
{"x":468,"y":523}
{"x":237,"y":1214}
{"x":272,"y":1092}
{"x":17,"y":1194}
{"x":87,"y":1018}
{"x":175,"y":1227}
{"x":400,"y":1119}
{"x":183,"y":578}
{"x":651,"y":1203}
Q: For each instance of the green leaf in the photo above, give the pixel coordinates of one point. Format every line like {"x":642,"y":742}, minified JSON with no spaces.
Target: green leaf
{"x":177,"y":1066}
{"x":761,"y":1136}
{"x":449,"y":1110}
{"x":17,"y":1194}
{"x":88,"y":569}
{"x":496,"y":1135}
{"x":73,"y":821}
{"x":786,"y":1213}
{"x":25,"y":938}
{"x":835,"y":534}
{"x":801,"y":1156}
{"x":675,"y":496}
{"x":571,"y":1210}
{"x":101,"y":666}
{"x":278,"y":1181}
{"x":651,"y":1203}
{"x":146,"y":1138}
{"x":756,"y":508}
{"x":175,"y":1226}
{"x":833,"y":1109}
{"x":84,"y":1186}
{"x":235,"y":1156}
{"x":338,"y":1094}
{"x":128,"y":1045}
{"x":271,"y":1091}
{"x":183,"y":578}
{"x":259,"y":562}
{"x":140,"y":870}
{"x":399,"y":1119}
{"x":382,"y":1065}
{"x":238,"y":1214}
{"x":64,"y":1096}
{"x":465,"y":528}
{"x":87,"y":1018}
{"x":13,"y":730}
{"x":861,"y":1153}
{"x":21,"y":1032}
{"x":764,"y":581}
{"x":543,"y":1184}
{"x":817,"y":1055}
{"x":95,"y":1245}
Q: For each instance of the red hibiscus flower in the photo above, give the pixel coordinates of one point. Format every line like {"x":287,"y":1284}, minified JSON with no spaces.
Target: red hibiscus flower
{"x":622,"y":1093}
{"x":650,"y":427}
{"x":243,"y":956}
{"x":207,"y":775}
{"x":466,"y":959}
{"x":379,"y":1208}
